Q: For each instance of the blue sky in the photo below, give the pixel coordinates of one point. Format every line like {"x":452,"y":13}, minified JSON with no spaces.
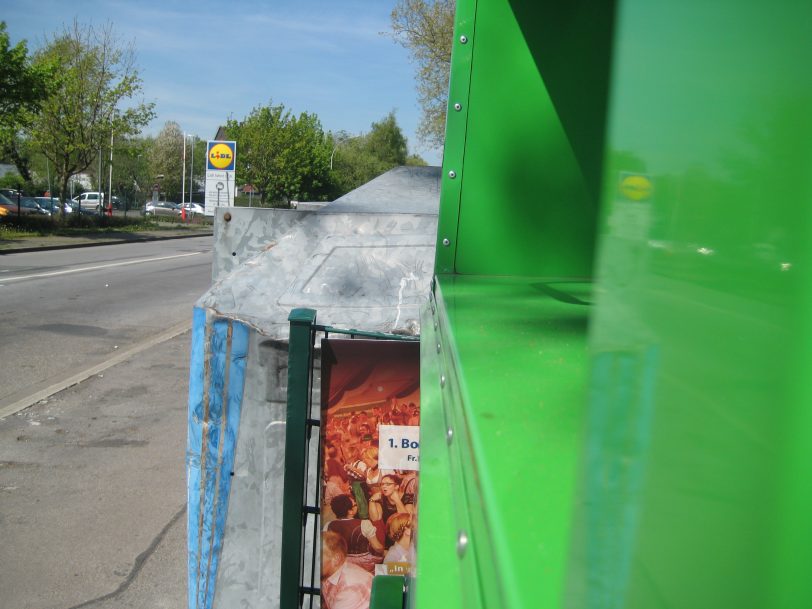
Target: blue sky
{"x":202,"y":62}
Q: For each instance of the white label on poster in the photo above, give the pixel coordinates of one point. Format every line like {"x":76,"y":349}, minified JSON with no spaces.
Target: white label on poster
{"x":399,"y":447}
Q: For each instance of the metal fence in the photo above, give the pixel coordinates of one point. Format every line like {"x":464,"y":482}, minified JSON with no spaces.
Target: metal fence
{"x":301,"y":516}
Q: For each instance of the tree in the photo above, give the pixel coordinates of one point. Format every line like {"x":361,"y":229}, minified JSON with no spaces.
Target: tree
{"x":282,"y":156}
{"x":387,"y":142}
{"x":94,"y":75}
{"x":426,"y":29}
{"x":357,"y":160}
{"x":166,"y":158}
{"x":24,"y":87}
{"x":354,"y":164}
{"x":415,"y":160}
{"x":132,"y":176}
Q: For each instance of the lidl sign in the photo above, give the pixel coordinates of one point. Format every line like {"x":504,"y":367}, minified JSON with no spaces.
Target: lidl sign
{"x":221,"y":156}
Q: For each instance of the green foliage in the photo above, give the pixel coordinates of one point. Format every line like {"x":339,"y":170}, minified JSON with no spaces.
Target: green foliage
{"x":290,"y":158}
{"x":386,"y":141}
{"x":9,"y":231}
{"x":357,"y":160}
{"x":81,"y":224}
{"x":283,"y":156}
{"x":354,"y":164}
{"x":23,"y":87}
{"x":426,"y":29}
{"x":15,"y":181}
{"x":198,"y":164}
{"x":132,"y":179}
{"x":94,"y":75}
{"x":166,"y":159}
{"x":415,"y":160}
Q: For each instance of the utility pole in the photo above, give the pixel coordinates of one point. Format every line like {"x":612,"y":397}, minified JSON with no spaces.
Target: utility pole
{"x":183,"y":173}
{"x":110,"y":176}
{"x":192,"y":170}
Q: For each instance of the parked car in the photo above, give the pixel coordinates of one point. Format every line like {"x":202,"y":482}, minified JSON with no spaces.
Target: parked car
{"x":7,"y":207}
{"x":29,"y":205}
{"x":162,"y":208}
{"x":52,"y":205}
{"x":90,"y":201}
{"x":194,"y":209}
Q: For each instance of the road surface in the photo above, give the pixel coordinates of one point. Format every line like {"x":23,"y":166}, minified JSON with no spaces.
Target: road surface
{"x":66,"y":312}
{"x":92,"y":475}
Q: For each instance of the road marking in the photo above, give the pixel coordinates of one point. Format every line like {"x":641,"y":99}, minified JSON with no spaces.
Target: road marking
{"x":100,"y":266}
{"x":32,"y":399}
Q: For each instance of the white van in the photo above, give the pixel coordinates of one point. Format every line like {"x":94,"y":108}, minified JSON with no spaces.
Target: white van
{"x":90,"y":201}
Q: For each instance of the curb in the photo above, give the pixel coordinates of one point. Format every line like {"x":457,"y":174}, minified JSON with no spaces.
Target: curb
{"x":68,"y":246}
{"x":118,"y":358}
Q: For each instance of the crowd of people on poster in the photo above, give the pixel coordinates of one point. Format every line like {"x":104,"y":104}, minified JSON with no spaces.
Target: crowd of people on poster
{"x":368,"y":512}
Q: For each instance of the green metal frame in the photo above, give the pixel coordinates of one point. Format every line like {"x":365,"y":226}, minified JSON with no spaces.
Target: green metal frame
{"x":300,"y":364}
{"x":388,"y":592}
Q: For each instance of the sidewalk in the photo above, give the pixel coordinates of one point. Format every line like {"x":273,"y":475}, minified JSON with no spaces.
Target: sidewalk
{"x":93,"y":488}
{"x":54,"y":242}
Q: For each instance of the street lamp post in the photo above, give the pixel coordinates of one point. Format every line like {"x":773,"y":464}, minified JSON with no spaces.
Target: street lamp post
{"x":110,"y":177}
{"x":192,"y":170}
{"x":183,"y":174}
{"x":339,"y":143}
{"x":250,"y":192}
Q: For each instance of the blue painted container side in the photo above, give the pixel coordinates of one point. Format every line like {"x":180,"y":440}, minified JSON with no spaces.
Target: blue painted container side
{"x":216,"y":383}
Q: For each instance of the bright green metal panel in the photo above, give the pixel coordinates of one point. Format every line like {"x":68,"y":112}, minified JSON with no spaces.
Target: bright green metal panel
{"x":694,"y":488}
{"x":509,"y":471}
{"x":699,"y":488}
{"x":436,"y":535}
{"x":456,"y":125}
{"x":503,"y":359}
{"x":522,"y":165}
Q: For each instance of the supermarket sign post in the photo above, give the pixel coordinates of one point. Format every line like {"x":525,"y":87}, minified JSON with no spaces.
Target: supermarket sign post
{"x":221,"y":163}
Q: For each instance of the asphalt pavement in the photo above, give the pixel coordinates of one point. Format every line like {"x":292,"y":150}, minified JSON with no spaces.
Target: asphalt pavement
{"x":63,"y":313}
{"x":93,"y":490}
{"x":92,"y":475}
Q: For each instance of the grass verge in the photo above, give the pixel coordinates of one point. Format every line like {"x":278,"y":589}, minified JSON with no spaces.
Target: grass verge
{"x":77,"y":225}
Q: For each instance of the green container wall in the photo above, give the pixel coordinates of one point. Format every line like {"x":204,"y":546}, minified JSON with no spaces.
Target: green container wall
{"x":696,"y":492}
{"x":520,"y":215}
{"x":524,"y":150}
{"x":678,"y":137}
